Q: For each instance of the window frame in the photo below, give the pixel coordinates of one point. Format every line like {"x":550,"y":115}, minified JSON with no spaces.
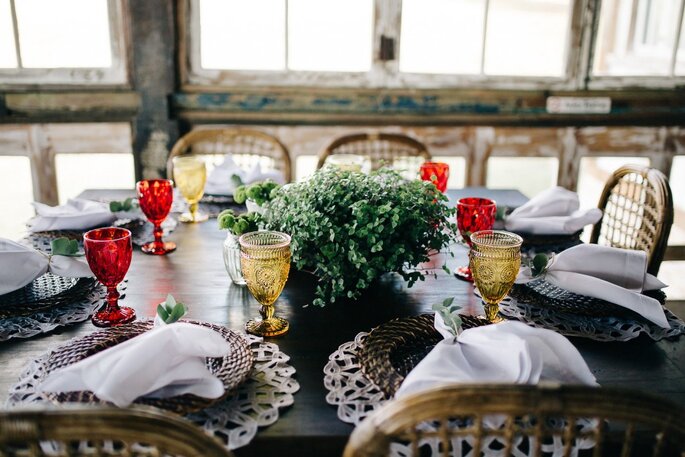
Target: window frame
{"x":115,"y":76}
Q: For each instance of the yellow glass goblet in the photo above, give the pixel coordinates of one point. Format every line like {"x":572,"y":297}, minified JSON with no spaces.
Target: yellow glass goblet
{"x":265,"y":261}
{"x":190,"y":175}
{"x":494,"y":260}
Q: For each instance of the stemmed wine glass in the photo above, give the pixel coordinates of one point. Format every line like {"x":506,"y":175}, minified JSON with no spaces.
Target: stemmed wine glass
{"x":473,"y":214}
{"x":190,"y":174}
{"x":495,"y":259}
{"x":108,"y":252}
{"x":155,"y":197}
{"x":436,"y":172}
{"x":265,"y":261}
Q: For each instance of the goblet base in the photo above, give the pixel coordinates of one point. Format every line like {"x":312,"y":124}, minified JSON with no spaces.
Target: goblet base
{"x":110,"y":318}
{"x":158,"y":247}
{"x":267,"y":327}
{"x":463,"y":273}
{"x":193,"y":217}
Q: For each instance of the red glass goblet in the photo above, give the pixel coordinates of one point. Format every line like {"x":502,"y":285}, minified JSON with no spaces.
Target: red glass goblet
{"x":108,"y":252}
{"x":473,"y":215}
{"x":155,"y":197}
{"x":436,"y":172}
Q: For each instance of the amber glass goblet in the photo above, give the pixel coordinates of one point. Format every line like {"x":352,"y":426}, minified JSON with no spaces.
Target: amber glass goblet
{"x":265,"y":261}
{"x":473,"y":214}
{"x":155,"y":197}
{"x":495,"y":259}
{"x":190,"y":175}
{"x":436,"y":172}
{"x":108,"y":252}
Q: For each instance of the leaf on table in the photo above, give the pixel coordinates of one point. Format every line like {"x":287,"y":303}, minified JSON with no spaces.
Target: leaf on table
{"x":449,"y":312}
{"x":65,"y":246}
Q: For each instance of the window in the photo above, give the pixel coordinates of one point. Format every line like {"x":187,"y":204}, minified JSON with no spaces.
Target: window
{"x":640,"y":38}
{"x":375,"y":43}
{"x":17,"y":195}
{"x":61,"y":41}
{"x":515,"y":173}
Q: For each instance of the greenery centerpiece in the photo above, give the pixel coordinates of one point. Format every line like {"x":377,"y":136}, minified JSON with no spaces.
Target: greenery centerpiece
{"x":349,"y":228}
{"x":255,"y":195}
{"x":236,"y":225}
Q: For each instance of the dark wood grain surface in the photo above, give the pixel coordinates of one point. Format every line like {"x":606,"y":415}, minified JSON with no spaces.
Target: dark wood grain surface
{"x":195,"y":274}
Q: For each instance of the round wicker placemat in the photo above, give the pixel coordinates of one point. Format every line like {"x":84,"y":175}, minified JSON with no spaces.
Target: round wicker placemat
{"x":232,"y":370}
{"x":393,"y":349}
{"x":43,"y":293}
{"x":541,"y":293}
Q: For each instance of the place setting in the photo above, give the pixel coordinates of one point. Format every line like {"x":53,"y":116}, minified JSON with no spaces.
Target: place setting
{"x":231,"y":383}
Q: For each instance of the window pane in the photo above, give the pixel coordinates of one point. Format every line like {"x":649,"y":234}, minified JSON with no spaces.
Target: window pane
{"x":680,"y":58}
{"x":636,"y":37}
{"x":530,"y":175}
{"x":305,"y":166}
{"x":527,"y":37}
{"x":442,"y":36}
{"x":78,"y":172}
{"x":16,"y":195}
{"x":677,"y":182}
{"x":242,"y":34}
{"x":8,"y":57}
{"x":65,"y":33}
{"x":332,"y":35}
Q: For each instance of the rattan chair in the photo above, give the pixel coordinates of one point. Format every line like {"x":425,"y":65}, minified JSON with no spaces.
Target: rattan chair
{"x":638,"y":213}
{"x":246,"y":146}
{"x":96,"y":431}
{"x":391,"y":149}
{"x":438,"y":421}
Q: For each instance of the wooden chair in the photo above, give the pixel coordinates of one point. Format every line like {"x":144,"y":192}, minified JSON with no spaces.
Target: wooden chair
{"x":638,"y":213}
{"x":246,"y":146}
{"x":637,"y":421}
{"x":391,"y":149}
{"x":97,"y":431}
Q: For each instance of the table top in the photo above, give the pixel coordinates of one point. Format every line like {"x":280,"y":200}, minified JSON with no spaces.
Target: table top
{"x":196,"y":275}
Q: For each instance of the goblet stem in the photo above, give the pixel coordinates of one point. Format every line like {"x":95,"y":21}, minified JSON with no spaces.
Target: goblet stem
{"x":267,"y":312}
{"x":492,"y":312}
{"x":193,"y":211}
{"x":158,"y":232}
{"x":112,"y":298}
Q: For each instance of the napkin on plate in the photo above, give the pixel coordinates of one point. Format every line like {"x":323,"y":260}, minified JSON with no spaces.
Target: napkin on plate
{"x":76,"y":214}
{"x":554,"y":211}
{"x":509,"y":353}
{"x":19,"y":265}
{"x":616,"y":275}
{"x":219,"y":181}
{"x":164,"y":362}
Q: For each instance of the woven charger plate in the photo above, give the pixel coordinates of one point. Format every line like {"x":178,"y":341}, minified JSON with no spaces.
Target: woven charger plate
{"x":232,"y":370}
{"x":393,"y":349}
{"x":543,"y":294}
{"x":43,"y":293}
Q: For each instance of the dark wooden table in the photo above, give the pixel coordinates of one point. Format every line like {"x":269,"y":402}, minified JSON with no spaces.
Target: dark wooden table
{"x":195,"y":274}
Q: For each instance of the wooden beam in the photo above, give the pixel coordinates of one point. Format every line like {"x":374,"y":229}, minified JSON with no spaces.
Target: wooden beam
{"x":91,"y":102}
{"x":675,"y":253}
{"x":153,"y":38}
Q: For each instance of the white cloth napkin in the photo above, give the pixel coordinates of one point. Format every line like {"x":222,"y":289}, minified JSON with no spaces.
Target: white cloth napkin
{"x":164,"y":362}
{"x":510,"y":353}
{"x":76,"y":214}
{"x":219,"y":181}
{"x":616,"y":275}
{"x":554,"y":211}
{"x":19,"y":265}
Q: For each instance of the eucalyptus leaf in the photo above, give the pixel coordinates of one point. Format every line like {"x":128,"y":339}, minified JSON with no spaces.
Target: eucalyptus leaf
{"x":125,"y":205}
{"x":171,"y":311}
{"x":65,"y":246}
{"x":449,"y":313}
{"x":162,"y":312}
{"x":540,"y":262}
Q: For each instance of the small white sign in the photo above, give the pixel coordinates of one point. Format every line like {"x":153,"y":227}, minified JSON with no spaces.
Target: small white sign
{"x":579,"y":105}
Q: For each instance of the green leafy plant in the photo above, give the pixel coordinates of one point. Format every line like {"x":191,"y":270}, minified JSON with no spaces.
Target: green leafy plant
{"x":65,"y":246}
{"x":259,"y":192}
{"x":450,"y":314}
{"x":171,"y":311}
{"x":238,"y":224}
{"x":539,"y":264}
{"x":350,"y":228}
{"x":124,"y":205}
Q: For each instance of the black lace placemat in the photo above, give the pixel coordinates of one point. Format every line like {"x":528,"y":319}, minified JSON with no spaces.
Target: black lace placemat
{"x":46,"y":292}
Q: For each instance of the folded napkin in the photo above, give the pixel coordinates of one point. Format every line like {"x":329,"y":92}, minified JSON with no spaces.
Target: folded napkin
{"x":219,"y":181}
{"x":616,"y":275}
{"x":509,"y":353}
{"x":19,"y":265}
{"x":76,"y":214}
{"x":164,"y":362}
{"x":554,"y":211}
